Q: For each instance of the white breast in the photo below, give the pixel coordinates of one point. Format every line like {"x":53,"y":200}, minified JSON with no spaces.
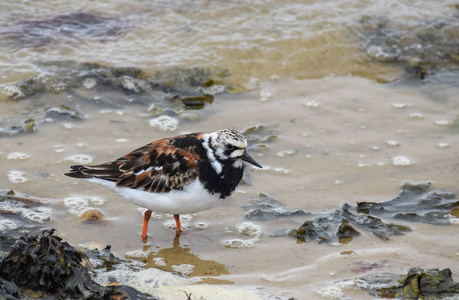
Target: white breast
{"x":193,"y":198}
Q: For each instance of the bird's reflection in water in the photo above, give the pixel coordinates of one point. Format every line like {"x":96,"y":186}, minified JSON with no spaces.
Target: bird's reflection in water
{"x":180,"y":260}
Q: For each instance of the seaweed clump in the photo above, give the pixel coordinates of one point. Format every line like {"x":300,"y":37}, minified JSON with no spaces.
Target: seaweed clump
{"x":48,"y":265}
{"x":53,"y":268}
{"x":419,"y":283}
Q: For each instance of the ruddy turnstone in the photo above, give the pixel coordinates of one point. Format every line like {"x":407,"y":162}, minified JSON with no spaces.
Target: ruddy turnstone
{"x":180,"y":175}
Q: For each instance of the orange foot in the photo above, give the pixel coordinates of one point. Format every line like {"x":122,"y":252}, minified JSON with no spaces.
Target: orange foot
{"x":146,"y":218}
{"x":177,"y":222}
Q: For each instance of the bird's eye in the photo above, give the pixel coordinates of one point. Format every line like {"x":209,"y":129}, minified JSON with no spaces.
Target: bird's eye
{"x":229,"y":147}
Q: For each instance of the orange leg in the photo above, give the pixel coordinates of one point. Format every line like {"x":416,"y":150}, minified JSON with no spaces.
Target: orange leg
{"x":177,"y":222}
{"x":146,"y":218}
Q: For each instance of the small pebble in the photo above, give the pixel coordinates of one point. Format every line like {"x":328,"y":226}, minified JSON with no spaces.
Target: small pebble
{"x":92,"y":215}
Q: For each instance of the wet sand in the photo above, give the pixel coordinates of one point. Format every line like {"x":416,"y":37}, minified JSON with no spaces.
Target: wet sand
{"x":340,"y":138}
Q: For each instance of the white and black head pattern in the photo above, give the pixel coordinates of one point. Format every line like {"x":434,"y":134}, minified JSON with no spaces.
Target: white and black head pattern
{"x":227,"y":146}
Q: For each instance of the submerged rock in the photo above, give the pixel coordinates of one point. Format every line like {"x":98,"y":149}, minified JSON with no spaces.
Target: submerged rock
{"x":259,"y":136}
{"x":415,"y":203}
{"x":71,"y":27}
{"x":21,"y":213}
{"x":17,"y":125}
{"x":417,"y":284}
{"x":420,"y":46}
{"x":266,"y":207}
{"x":174,"y":90}
{"x":336,"y":227}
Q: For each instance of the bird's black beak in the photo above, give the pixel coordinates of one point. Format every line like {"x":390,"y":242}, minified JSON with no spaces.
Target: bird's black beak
{"x":246,"y":157}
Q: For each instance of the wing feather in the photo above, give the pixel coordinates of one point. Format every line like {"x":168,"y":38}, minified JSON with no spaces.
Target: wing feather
{"x":157,"y":167}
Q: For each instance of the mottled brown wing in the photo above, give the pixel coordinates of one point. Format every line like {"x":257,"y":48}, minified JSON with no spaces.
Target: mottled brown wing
{"x":157,"y":167}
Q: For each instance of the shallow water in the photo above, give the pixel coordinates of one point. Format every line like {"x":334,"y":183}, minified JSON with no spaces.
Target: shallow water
{"x":340,"y":138}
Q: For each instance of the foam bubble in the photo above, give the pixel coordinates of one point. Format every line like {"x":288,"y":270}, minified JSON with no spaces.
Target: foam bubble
{"x":392,"y":143}
{"x":443,"y":145}
{"x":37,"y":214}
{"x":164,"y":123}
{"x":443,"y":123}
{"x":286,"y":153}
{"x":11,"y":91}
{"x":159,"y":261}
{"x":95,"y":263}
{"x":89,"y":83}
{"x":17,"y":176}
{"x":312,"y":104}
{"x":400,"y":105}
{"x":6,"y":225}
{"x":145,"y":280}
{"x":78,"y":204}
{"x":265,"y":95}
{"x":401,"y":161}
{"x":80,"y":158}
{"x":68,"y":125}
{"x":239,"y":243}
{"x":138,"y":253}
{"x":416,"y":115}
{"x":17,"y":155}
{"x":184,"y":269}
{"x":129,"y":84}
{"x":213,"y":89}
{"x":335,"y":291}
{"x":274,"y":170}
{"x":248,"y":228}
{"x":201,"y":225}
